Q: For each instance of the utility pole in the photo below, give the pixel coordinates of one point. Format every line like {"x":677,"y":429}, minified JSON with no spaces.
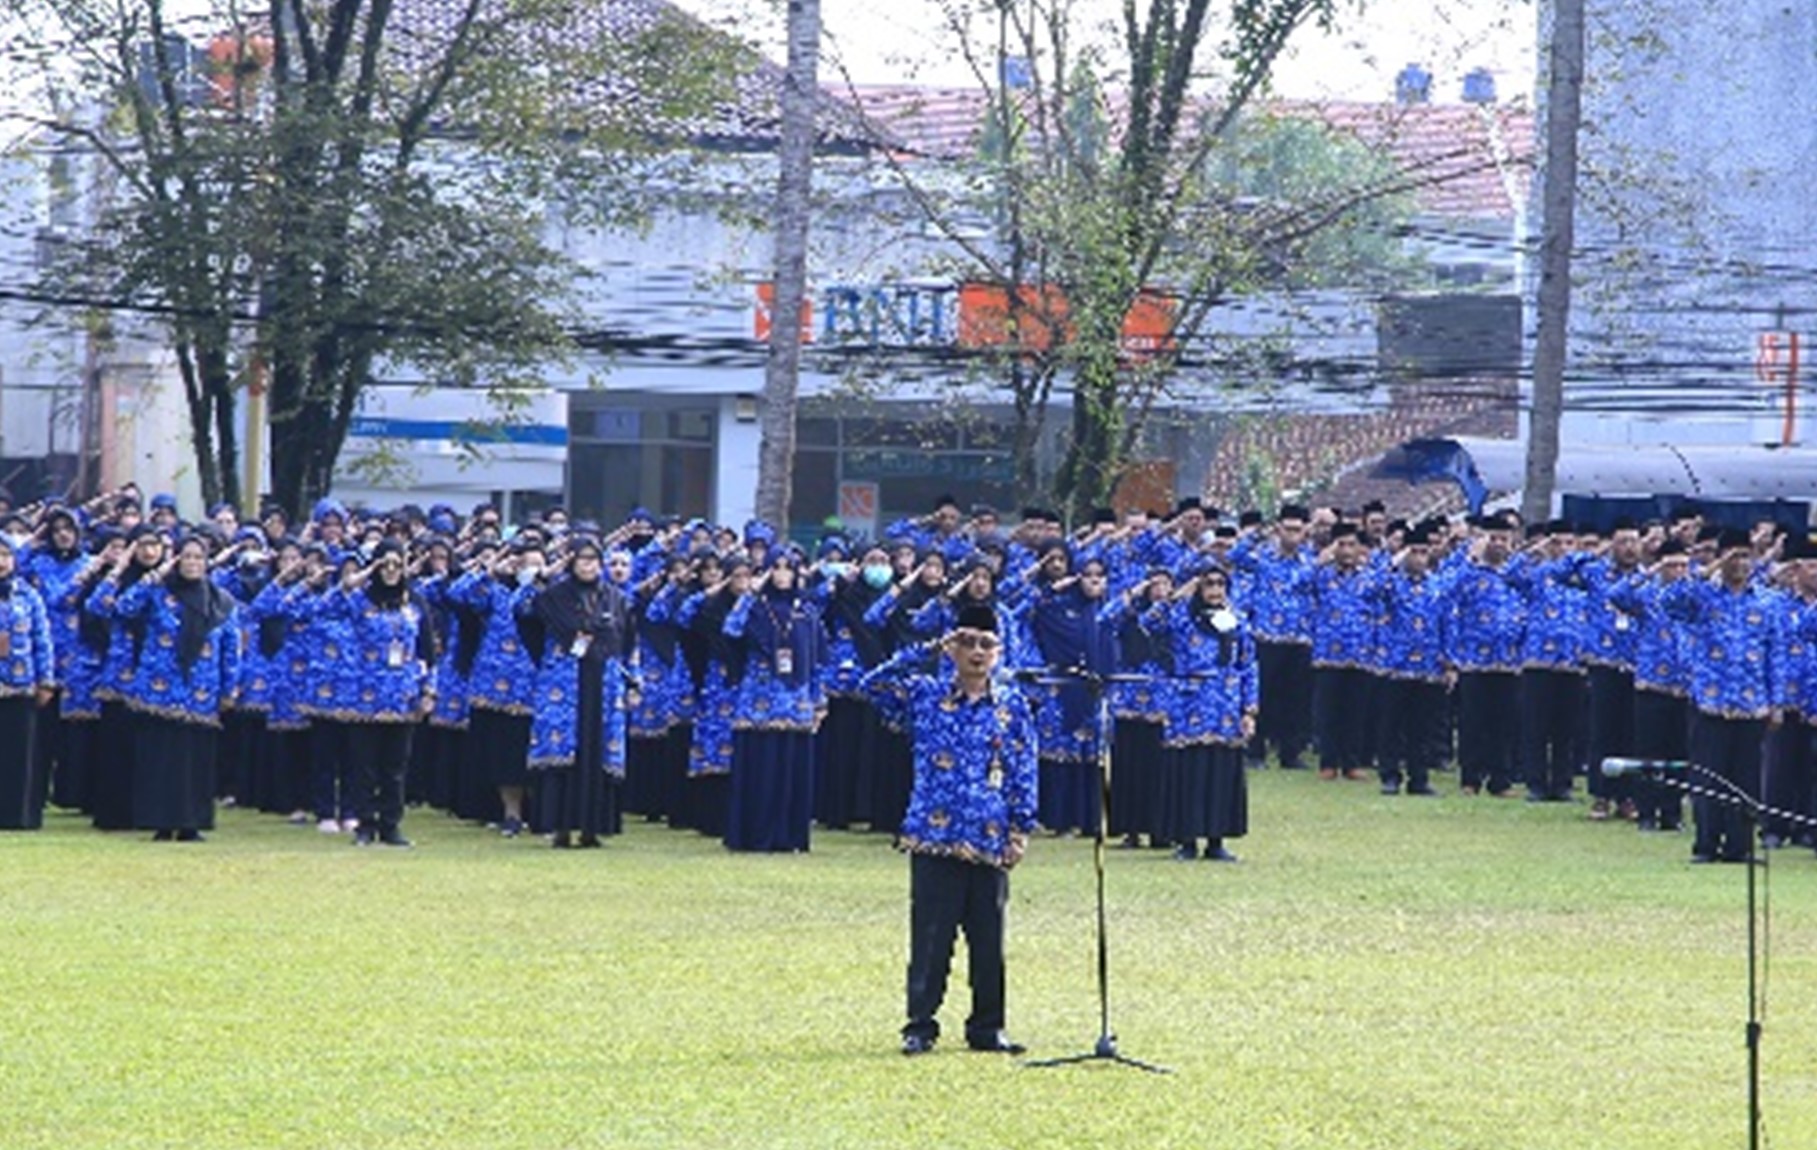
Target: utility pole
{"x":794,"y":184}
{"x":1558,"y":206}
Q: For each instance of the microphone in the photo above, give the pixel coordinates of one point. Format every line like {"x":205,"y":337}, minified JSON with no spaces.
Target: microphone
{"x":1615,"y":767}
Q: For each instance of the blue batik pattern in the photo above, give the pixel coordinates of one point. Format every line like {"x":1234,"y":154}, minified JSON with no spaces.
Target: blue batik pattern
{"x":330,"y":672}
{"x":160,"y":685}
{"x":1610,"y":637}
{"x":1413,"y":626}
{"x":58,"y":583}
{"x":666,"y":693}
{"x":975,"y":761}
{"x":1278,"y":595}
{"x":1488,"y":619}
{"x":504,"y":672}
{"x":765,"y":700}
{"x":30,"y":662}
{"x":556,"y":718}
{"x":451,"y":687}
{"x":1736,"y":646}
{"x":382,"y":679}
{"x":1343,"y":618}
{"x":1217,"y":680}
{"x":1554,"y":638}
{"x":1659,"y":641}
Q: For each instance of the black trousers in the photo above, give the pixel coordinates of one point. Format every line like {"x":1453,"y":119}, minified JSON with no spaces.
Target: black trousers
{"x":1730,"y":749}
{"x":945,"y":895}
{"x":378,"y":756}
{"x":1413,"y":737}
{"x":1662,"y":730}
{"x":1285,"y":718}
{"x":1341,"y":714}
{"x":1488,"y":706}
{"x":1551,"y":713}
{"x":1611,"y":729}
{"x":1788,"y":783}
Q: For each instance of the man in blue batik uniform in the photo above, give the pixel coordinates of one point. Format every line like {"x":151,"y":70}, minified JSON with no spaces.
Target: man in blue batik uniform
{"x":1737,"y":655}
{"x":968,"y":821}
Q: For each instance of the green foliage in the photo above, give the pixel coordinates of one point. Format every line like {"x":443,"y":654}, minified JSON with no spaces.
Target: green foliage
{"x":367,"y":181}
{"x":1378,"y":974}
{"x":1123,"y":168}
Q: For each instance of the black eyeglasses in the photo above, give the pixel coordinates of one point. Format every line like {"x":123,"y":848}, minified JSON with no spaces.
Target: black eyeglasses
{"x":977,"y":642}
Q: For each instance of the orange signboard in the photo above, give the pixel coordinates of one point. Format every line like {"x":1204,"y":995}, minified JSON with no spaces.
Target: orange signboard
{"x":766,"y":309}
{"x":986,"y":319}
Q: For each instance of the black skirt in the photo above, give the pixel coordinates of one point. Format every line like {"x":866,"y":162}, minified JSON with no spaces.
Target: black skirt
{"x":110,"y":776}
{"x":173,"y":775}
{"x":21,"y":805}
{"x":500,"y":743}
{"x":1205,"y":793}
{"x":1135,"y":777}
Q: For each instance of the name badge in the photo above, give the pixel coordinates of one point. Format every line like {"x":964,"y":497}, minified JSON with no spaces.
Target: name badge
{"x":994,"y":779}
{"x":395,"y":654}
{"x":785,"y":661}
{"x":581,"y":645}
{"x":1622,"y":623}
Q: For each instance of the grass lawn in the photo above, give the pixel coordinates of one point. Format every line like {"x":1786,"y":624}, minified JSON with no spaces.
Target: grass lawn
{"x":1378,"y":972}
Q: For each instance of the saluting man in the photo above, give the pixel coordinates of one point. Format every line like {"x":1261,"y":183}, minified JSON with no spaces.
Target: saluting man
{"x":968,"y":821}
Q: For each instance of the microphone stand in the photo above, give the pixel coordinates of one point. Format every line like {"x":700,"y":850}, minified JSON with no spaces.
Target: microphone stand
{"x":1105,"y":1048}
{"x":1732,"y":795}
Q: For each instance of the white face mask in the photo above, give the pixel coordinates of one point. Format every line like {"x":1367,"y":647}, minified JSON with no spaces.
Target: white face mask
{"x":526,"y":576}
{"x":1223,"y":621}
{"x":878,"y":575}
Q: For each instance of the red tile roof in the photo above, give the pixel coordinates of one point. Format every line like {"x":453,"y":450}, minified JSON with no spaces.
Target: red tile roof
{"x":1470,"y":161}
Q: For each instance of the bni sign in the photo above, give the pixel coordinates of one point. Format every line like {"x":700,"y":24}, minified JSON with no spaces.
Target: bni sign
{"x":872,"y":315}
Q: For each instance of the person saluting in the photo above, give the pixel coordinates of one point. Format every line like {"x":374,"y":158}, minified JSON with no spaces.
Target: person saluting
{"x":969,"y":816}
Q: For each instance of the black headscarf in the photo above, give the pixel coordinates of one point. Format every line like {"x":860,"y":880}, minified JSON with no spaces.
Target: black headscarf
{"x":1202,"y":613}
{"x":593,"y":607}
{"x":203,"y":607}
{"x":62,"y":515}
{"x":779,"y":620}
{"x":6,"y":583}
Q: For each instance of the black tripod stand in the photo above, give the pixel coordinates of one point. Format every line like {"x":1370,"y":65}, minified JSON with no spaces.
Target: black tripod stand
{"x":1677,"y":775}
{"x":1105,"y":1049}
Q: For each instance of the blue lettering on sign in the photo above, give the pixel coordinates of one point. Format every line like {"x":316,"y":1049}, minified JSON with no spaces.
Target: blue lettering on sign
{"x":889,"y":315}
{"x":458,"y":431}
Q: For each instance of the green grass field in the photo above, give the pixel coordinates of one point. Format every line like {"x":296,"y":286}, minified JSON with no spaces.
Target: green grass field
{"x":1378,"y":972}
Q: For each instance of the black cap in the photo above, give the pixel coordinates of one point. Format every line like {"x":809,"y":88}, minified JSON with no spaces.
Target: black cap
{"x":1293,"y":511}
{"x":1250,"y":519}
{"x":1375,"y":506}
{"x":1418,"y":536}
{"x":1671,"y":547}
{"x":1729,"y":538}
{"x":1343,"y":531}
{"x":1799,"y":545}
{"x":974,"y":617}
{"x":1190,"y":503}
{"x":1103,"y":515}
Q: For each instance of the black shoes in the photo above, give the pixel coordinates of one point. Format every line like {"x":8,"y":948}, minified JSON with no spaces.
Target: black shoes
{"x":394,"y":839}
{"x":1186,"y":852}
{"x":913,"y":1044}
{"x":1219,"y":854}
{"x":998,"y":1043}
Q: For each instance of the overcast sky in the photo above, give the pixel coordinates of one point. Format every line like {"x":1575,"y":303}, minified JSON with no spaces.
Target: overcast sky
{"x":903,"y":41}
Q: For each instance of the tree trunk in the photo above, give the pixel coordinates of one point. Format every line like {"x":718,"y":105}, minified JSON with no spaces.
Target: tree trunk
{"x":1564,"y":111}
{"x":782,"y":371}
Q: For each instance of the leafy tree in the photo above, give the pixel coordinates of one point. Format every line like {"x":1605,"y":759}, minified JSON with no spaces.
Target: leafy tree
{"x":1129,"y":171}
{"x":346,"y":182}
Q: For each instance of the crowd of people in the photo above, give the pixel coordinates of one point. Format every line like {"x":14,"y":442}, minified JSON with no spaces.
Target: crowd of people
{"x":551,"y":676}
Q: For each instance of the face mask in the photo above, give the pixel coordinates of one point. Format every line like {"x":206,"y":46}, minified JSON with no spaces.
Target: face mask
{"x":525,"y":576}
{"x":877,"y":576}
